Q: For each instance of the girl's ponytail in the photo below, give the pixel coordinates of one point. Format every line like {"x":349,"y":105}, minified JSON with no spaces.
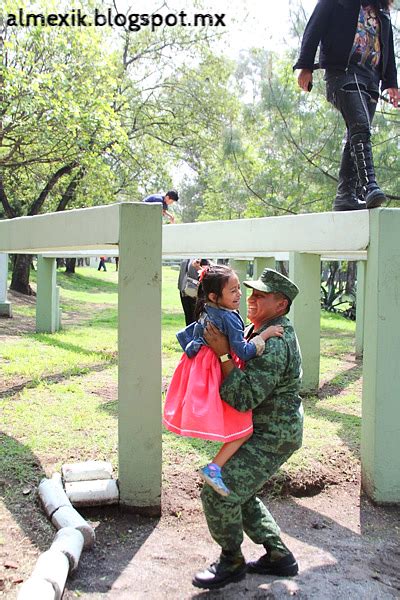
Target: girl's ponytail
{"x":200,"y":302}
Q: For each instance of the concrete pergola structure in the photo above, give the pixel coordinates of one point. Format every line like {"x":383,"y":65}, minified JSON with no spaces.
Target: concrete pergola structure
{"x":136,"y":229}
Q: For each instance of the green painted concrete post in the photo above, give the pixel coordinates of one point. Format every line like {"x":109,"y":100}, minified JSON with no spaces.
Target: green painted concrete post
{"x":46,"y":298}
{"x":380,"y":424}
{"x":139,"y":357}
{"x":240,"y":266}
{"x":360,"y":310}
{"x":305,"y":270}
{"x":58,"y":309}
{"x":5,"y":305}
{"x":261,"y":263}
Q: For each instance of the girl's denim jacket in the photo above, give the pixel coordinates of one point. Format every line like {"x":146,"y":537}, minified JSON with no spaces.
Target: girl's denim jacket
{"x":230,"y":323}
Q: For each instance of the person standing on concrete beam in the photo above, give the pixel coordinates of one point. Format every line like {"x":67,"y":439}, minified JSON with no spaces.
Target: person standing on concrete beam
{"x":357,"y":53}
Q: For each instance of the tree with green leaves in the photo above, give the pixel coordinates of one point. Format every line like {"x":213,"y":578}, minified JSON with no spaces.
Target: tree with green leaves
{"x":90,"y":117}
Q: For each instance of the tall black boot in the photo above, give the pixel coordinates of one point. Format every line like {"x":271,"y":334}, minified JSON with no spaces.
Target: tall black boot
{"x":346,"y":195}
{"x":361,"y":144}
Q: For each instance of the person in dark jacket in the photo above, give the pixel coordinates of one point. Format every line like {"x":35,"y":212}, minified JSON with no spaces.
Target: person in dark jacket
{"x":190,"y":267}
{"x":357,"y":53}
{"x":166,"y":201}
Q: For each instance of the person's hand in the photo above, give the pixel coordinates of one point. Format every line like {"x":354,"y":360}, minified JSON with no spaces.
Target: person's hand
{"x":272,"y":331}
{"x":216,"y":339}
{"x":305,"y":80}
{"x":394,"y":96}
{"x":171,"y":219}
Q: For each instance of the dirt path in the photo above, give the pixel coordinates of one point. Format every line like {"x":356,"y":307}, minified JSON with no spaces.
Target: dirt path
{"x":347,"y":549}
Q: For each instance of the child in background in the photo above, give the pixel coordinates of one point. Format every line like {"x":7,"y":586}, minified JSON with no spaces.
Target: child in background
{"x":193,"y":406}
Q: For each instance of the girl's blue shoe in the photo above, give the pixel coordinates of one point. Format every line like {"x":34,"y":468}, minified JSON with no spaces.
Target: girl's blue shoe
{"x":211,"y":474}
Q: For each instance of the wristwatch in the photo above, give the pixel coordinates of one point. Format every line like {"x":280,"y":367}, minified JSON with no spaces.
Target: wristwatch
{"x":225,"y":357}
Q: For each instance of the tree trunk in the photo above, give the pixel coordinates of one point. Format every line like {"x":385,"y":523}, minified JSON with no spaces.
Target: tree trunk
{"x":70,"y":265}
{"x":333,"y":277}
{"x":20,"y":274}
{"x":351,"y":277}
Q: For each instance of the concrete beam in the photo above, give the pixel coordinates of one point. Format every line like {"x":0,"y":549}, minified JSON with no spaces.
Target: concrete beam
{"x":317,"y":233}
{"x":95,"y":227}
{"x":98,"y":228}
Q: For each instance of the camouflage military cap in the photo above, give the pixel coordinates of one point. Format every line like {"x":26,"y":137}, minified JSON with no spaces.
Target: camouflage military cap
{"x":272,"y":281}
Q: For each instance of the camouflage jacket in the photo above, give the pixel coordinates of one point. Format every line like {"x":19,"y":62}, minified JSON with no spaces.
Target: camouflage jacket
{"x":269,"y":385}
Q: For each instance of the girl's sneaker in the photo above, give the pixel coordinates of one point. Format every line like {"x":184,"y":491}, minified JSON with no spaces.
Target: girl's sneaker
{"x":211,"y":474}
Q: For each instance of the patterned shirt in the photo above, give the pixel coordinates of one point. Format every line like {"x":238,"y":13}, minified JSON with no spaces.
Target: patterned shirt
{"x":366,"y":52}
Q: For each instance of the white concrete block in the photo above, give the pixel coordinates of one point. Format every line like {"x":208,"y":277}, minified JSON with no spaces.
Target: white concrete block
{"x":36,"y":588}
{"x":87,"y":471}
{"x":56,"y":477}
{"x":67,"y":516}
{"x":92,"y":493}
{"x":52,"y":496}
{"x":53,"y":566}
{"x":69,"y":541}
{"x":6,"y":309}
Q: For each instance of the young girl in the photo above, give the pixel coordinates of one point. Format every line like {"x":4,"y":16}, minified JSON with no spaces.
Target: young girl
{"x":193,"y":406}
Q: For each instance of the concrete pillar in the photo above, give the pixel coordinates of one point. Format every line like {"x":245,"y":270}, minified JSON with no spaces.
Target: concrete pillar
{"x":380,"y":424}
{"x":5,"y":306}
{"x":360,"y":310}
{"x":46,"y":300}
{"x":304,"y":270}
{"x":139,"y":362}
{"x":240,"y":266}
{"x":261,"y":263}
{"x":58,"y":309}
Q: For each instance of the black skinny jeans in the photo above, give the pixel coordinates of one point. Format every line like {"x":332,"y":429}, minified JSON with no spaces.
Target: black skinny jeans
{"x":355,"y":96}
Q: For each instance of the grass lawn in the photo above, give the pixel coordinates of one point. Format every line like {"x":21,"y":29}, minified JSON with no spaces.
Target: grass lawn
{"x":58,"y":393}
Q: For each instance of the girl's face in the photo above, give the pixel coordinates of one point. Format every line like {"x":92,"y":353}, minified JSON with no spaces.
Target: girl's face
{"x":230,"y":297}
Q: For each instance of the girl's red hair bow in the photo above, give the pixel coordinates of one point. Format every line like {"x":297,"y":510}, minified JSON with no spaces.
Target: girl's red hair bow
{"x":203,"y":271}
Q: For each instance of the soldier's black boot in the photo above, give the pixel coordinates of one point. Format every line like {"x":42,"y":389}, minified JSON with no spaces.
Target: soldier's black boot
{"x":346,"y":194}
{"x":270,"y":564}
{"x":373,"y":196}
{"x":229,"y":568}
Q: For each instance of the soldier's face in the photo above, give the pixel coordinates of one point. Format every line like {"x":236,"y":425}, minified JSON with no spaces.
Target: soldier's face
{"x":262,"y":307}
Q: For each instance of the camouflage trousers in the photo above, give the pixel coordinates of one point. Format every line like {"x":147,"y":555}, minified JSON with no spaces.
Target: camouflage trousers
{"x":228,"y":517}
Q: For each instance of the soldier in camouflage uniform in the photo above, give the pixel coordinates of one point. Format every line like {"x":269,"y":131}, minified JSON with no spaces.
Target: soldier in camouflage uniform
{"x":269,"y":386}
